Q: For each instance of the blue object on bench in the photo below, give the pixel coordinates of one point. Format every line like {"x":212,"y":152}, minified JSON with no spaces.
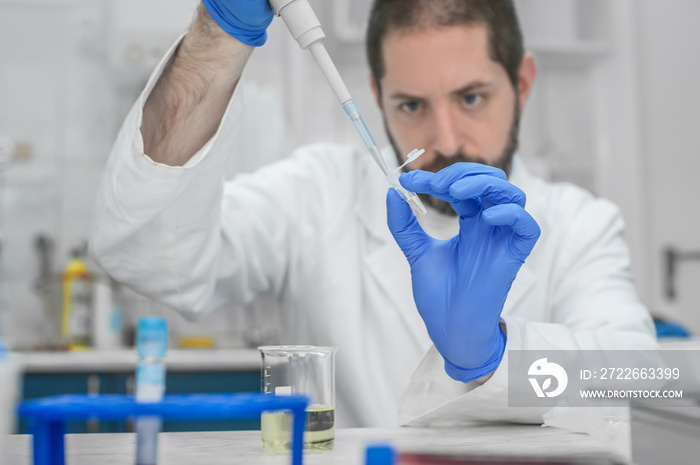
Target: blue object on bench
{"x":49,"y":415}
{"x":668,"y":329}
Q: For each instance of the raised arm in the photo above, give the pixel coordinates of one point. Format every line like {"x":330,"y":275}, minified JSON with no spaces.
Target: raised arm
{"x":157,"y":225}
{"x":185,"y":107}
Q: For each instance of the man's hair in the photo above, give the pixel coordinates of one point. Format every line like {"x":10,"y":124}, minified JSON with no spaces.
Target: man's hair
{"x":405,"y":16}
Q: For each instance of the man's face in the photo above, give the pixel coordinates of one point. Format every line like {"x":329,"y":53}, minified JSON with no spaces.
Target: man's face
{"x":442,"y":92}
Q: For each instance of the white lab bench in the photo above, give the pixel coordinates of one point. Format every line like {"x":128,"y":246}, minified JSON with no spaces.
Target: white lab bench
{"x":244,"y":447}
{"x":234,"y":447}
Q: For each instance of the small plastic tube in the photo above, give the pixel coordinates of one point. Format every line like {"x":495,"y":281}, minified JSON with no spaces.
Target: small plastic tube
{"x":410,"y":197}
{"x":412,"y":155}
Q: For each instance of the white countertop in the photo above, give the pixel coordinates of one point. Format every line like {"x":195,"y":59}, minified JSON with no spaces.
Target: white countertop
{"x":680,"y":344}
{"x":244,"y":447}
{"x":94,"y":361}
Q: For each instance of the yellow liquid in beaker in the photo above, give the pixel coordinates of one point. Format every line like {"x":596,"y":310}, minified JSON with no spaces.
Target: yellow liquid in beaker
{"x":319,"y":433}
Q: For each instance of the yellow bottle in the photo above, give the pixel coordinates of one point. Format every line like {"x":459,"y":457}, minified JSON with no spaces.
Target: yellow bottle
{"x":75,"y":324}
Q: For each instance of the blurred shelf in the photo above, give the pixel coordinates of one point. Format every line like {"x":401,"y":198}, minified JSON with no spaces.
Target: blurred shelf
{"x":116,"y":361}
{"x":581,"y":53}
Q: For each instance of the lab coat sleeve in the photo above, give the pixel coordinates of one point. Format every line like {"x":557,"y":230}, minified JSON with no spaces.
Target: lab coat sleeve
{"x":174,"y":233}
{"x":590,"y":304}
{"x":155,"y":227}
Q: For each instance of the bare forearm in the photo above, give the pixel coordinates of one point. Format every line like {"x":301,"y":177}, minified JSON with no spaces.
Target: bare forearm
{"x":185,"y":107}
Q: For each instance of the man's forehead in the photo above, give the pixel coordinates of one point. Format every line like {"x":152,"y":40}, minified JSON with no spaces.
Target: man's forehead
{"x":453,"y":55}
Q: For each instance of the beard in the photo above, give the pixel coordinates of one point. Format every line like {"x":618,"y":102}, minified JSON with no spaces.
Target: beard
{"x":503,"y":162}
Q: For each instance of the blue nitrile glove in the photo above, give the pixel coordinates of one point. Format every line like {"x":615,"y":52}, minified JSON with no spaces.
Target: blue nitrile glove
{"x":460,"y":285}
{"x":246,"y":20}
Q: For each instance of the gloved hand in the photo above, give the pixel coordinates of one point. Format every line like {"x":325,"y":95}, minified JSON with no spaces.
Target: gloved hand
{"x":246,"y":20}
{"x":460,"y":285}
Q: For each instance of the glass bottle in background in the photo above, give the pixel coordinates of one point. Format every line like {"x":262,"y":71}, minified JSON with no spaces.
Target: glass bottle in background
{"x":152,"y":346}
{"x":77,"y":300}
{"x":107,"y":317}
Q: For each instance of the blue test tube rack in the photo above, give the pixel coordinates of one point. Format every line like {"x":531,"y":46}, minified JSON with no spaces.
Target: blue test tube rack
{"x":48,"y":416}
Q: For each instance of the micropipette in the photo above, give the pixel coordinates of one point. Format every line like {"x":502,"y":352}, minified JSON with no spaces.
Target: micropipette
{"x":306,"y":30}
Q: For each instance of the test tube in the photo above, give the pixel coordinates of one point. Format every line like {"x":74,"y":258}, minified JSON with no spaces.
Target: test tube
{"x":151,"y":345}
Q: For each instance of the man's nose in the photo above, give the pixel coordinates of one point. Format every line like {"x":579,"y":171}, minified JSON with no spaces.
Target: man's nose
{"x":446,"y":134}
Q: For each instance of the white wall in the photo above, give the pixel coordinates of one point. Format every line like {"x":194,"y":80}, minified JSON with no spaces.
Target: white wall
{"x":669,"y":99}
{"x":69,"y":71}
{"x":54,"y":97}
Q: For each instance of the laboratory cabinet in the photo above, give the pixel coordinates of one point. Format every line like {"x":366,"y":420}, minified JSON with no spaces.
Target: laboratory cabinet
{"x":189,"y":372}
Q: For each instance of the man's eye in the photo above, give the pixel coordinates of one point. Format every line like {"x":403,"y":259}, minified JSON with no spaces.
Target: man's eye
{"x":472,"y":99}
{"x":410,"y":107}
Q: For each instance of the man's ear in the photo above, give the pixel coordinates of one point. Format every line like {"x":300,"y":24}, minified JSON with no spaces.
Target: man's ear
{"x":375,"y":90}
{"x":526,"y":77}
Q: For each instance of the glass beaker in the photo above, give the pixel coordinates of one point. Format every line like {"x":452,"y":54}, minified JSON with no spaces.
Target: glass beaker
{"x":307,"y":370}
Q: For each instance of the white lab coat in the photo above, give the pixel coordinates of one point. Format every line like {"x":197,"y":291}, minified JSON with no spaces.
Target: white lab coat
{"x":312,"y":228}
